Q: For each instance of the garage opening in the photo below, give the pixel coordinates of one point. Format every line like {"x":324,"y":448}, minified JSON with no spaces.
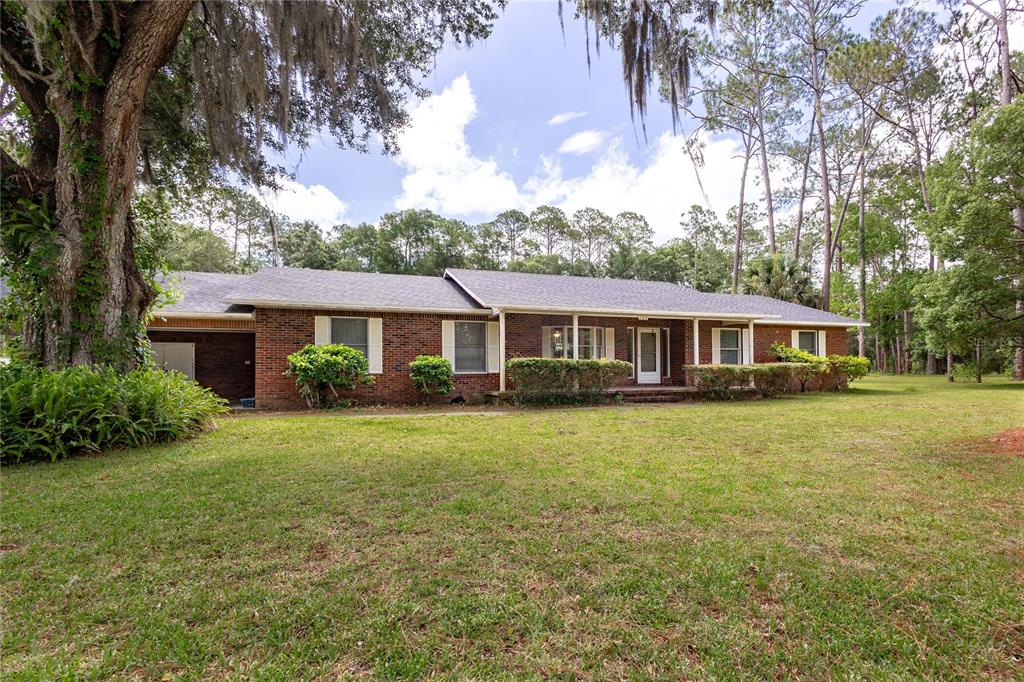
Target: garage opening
{"x":223,"y":361}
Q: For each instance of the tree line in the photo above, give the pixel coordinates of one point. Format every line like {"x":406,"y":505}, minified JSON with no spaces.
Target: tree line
{"x":882,"y":167}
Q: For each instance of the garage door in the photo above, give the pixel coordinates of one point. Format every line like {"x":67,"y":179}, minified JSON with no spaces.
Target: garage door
{"x":180,"y":357}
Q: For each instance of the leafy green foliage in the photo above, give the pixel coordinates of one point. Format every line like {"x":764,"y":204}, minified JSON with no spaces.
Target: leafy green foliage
{"x":847,"y":368}
{"x":334,"y":366}
{"x":789,"y":354}
{"x":46,"y":414}
{"x":833,"y":371}
{"x":432,"y":374}
{"x":539,"y":378}
{"x":780,"y":277}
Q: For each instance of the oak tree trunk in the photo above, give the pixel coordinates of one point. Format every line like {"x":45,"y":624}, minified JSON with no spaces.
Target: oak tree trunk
{"x":95,"y":296}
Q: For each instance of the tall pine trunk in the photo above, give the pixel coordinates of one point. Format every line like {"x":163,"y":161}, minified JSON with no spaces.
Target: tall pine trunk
{"x":826,"y":285}
{"x":737,"y":254}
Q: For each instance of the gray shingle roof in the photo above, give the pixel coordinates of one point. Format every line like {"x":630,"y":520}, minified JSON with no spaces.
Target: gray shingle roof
{"x":294,"y":287}
{"x":564,"y":292}
{"x":202,"y":293}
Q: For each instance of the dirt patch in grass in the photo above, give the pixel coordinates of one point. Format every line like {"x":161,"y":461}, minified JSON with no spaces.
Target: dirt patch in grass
{"x":1009,"y":442}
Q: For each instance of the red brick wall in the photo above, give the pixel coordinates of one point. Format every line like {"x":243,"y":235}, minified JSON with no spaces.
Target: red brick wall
{"x":280,"y":332}
{"x":225,"y":361}
{"x":767,"y":334}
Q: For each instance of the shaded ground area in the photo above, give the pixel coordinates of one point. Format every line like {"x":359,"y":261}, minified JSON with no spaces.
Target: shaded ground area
{"x":824,"y":535}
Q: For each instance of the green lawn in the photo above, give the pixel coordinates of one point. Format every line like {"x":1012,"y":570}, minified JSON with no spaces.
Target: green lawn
{"x":860,"y":534}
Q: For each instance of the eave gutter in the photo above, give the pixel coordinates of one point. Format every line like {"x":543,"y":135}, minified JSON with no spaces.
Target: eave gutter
{"x":204,"y":316}
{"x":619,"y":312}
{"x":809,"y":323}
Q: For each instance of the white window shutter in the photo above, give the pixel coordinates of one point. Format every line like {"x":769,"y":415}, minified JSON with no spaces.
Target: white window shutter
{"x":747,"y":352}
{"x":795,"y":340}
{"x":821,"y":344}
{"x":716,"y":346}
{"x":609,"y":342}
{"x":545,"y":350}
{"x":666,"y":371}
{"x":492,"y":347}
{"x":321,"y":330}
{"x":375,"y":343}
{"x":448,"y":341}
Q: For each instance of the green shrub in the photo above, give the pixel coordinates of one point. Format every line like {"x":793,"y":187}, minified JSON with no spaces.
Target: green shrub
{"x":834,"y":371}
{"x":716,"y":382}
{"x":47,"y":414}
{"x":432,"y":374}
{"x":771,"y":380}
{"x":784,"y":353}
{"x":846,"y":368}
{"x":332,"y":366}
{"x":543,"y":378}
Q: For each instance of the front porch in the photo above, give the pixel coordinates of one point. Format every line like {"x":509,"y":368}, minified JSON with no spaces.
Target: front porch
{"x":657,"y":347}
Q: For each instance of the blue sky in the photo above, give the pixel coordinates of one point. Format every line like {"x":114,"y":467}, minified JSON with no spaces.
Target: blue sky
{"x":485,"y":140}
{"x":515,"y":83}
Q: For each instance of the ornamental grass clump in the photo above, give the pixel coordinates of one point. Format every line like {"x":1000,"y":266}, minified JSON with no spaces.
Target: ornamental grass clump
{"x":332,"y":367}
{"x":53,"y":414}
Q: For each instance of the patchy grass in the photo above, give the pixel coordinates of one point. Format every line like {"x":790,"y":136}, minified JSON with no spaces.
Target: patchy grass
{"x":870,"y":534}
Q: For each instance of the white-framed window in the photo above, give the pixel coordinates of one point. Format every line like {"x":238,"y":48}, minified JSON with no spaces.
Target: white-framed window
{"x":470,"y":347}
{"x":354,"y":332}
{"x":807,"y":340}
{"x":560,"y":342}
{"x":730,"y":346}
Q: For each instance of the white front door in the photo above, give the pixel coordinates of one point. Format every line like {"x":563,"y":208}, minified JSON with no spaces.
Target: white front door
{"x":648,"y":356}
{"x":180,"y":357}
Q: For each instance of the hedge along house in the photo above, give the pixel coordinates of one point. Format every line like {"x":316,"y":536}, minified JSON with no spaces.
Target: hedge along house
{"x":234,"y":333}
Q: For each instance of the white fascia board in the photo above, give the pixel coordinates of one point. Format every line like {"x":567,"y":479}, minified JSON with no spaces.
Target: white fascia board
{"x":809,"y":323}
{"x":613,"y":312}
{"x":449,"y":275}
{"x":204,"y":316}
{"x":351,"y":306}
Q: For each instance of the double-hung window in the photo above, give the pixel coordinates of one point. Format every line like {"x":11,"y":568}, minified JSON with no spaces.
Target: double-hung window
{"x":729,"y":347}
{"x":808,"y":341}
{"x":470,"y":347}
{"x":560,"y":343}
{"x":351,"y":331}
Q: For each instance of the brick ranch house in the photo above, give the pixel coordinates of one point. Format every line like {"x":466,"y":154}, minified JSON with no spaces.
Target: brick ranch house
{"x":233,"y":333}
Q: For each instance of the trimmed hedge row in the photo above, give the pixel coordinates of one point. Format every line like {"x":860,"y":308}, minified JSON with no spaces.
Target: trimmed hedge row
{"x":544,"y":378}
{"x":722,"y":382}
{"x":800,"y":371}
{"x":48,"y":414}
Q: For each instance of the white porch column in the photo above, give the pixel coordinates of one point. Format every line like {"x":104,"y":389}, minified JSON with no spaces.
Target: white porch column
{"x":575,"y":336}
{"x":750,"y":351}
{"x":501,"y":350}
{"x":696,"y":341}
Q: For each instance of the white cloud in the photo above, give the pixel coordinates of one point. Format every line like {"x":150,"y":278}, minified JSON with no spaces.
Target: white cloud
{"x":583,"y":142}
{"x":565,"y":117}
{"x":661,"y":188}
{"x":300,"y":202}
{"x":443,"y":175}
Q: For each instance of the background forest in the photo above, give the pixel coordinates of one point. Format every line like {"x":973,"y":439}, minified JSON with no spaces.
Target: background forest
{"x":901,"y":149}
